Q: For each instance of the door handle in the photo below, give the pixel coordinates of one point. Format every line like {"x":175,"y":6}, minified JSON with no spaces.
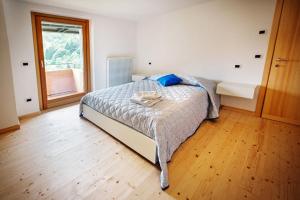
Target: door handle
{"x":282,"y":59}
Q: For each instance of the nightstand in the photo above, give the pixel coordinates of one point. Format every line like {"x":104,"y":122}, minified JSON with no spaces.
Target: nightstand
{"x":236,"y":89}
{"x":138,"y":77}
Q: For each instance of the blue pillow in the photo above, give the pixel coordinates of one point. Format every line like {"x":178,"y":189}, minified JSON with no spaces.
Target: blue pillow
{"x":169,"y":80}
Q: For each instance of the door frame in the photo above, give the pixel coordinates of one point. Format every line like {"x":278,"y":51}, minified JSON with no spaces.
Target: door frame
{"x":269,"y":58}
{"x":36,"y":18}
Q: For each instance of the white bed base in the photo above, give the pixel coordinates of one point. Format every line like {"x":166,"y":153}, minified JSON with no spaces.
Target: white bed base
{"x":137,"y":141}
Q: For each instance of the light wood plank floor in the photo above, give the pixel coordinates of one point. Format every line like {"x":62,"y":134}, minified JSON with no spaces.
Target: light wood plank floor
{"x":57,"y":155}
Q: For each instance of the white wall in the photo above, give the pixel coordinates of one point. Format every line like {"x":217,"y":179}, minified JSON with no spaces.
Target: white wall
{"x":109,"y":37}
{"x":8,"y":113}
{"x":203,"y":40}
{"x":112,"y":38}
{"x":208,"y":40}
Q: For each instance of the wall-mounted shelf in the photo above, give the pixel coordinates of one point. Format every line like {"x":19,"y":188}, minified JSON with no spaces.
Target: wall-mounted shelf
{"x":138,"y":77}
{"x":236,"y":89}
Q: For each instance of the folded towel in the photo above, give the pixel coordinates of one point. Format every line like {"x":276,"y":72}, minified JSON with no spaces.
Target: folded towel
{"x":146,"y":95}
{"x":146,"y":98}
{"x":147,"y":103}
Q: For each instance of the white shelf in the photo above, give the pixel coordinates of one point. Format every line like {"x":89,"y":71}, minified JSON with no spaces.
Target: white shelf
{"x":236,"y":89}
{"x":138,"y":77}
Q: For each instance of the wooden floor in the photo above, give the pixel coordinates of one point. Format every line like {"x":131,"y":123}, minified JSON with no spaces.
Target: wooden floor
{"x":57,"y":155}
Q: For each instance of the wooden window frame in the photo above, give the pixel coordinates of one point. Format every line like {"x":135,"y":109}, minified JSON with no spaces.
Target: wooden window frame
{"x":36,"y":18}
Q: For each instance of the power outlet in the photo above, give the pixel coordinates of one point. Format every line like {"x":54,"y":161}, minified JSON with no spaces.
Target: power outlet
{"x":24,"y":64}
{"x":257,"y":56}
{"x":261,"y":32}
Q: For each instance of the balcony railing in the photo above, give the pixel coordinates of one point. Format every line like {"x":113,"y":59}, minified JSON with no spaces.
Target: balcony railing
{"x":64,"y":81}
{"x":62,"y":66}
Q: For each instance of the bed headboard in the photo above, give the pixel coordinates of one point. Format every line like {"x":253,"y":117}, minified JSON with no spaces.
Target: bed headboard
{"x":119,"y":70}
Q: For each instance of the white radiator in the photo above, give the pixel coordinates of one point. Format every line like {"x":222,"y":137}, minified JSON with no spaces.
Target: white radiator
{"x":119,"y":70}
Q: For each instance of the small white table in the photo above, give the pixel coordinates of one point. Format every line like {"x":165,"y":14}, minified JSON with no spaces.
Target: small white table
{"x":138,"y":77}
{"x":236,"y":89}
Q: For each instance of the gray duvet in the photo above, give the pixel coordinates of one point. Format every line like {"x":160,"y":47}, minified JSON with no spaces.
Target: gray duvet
{"x":170,"y":122}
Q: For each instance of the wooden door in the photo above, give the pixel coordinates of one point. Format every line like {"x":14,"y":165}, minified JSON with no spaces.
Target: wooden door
{"x":282,"y":100}
{"x":62,"y":57}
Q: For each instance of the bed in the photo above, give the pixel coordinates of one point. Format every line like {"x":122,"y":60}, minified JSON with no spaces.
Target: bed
{"x":154,"y":132}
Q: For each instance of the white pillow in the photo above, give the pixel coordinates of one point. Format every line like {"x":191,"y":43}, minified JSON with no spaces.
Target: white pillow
{"x":156,"y":76}
{"x":188,"y":80}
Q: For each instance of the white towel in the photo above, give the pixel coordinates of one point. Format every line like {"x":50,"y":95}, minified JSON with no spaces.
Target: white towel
{"x":147,"y":103}
{"x":146,"y":98}
{"x":147,"y":95}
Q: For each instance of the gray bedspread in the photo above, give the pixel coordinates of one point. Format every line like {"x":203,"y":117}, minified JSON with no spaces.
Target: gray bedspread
{"x":170,"y":122}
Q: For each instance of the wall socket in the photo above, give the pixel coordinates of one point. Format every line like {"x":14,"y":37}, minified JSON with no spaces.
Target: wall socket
{"x":257,"y":56}
{"x":261,"y":32}
{"x":24,"y":64}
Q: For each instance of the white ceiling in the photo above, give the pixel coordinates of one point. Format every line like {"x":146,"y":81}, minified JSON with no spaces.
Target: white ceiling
{"x":128,"y":9}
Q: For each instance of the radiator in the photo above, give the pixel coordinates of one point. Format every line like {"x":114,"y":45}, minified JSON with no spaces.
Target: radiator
{"x":119,"y":70}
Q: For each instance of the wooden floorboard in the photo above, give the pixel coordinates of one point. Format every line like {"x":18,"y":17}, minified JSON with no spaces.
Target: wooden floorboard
{"x":58,"y":155}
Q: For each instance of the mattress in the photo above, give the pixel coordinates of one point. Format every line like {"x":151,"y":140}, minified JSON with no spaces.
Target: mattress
{"x":169,"y":122}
